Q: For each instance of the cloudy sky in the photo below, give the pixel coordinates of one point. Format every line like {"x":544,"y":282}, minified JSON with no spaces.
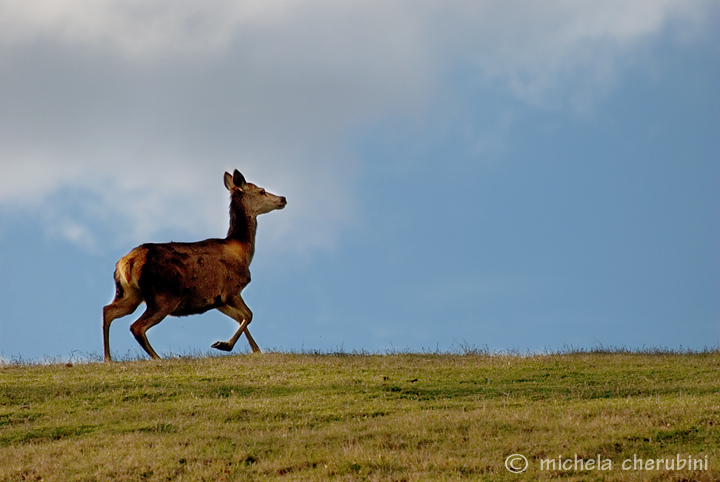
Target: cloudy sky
{"x":513,"y":175}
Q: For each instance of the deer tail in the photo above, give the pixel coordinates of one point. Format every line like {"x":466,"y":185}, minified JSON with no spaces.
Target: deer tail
{"x":128,"y":270}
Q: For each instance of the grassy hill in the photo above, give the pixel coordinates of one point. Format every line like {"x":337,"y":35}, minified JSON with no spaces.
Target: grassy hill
{"x":399,"y":417}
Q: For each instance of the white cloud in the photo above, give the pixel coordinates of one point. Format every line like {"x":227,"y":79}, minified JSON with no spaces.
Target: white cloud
{"x":137,"y":28}
{"x":143,"y":104}
{"x":562,"y":52}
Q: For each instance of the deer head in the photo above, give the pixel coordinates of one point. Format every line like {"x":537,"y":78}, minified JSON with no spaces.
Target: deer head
{"x":255,"y":200}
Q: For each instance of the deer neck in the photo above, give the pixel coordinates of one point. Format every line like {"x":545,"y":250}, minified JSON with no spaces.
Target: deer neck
{"x":243,"y":225}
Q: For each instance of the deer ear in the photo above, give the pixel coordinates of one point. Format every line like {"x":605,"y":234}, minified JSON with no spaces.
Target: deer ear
{"x":238,"y":180}
{"x":228,"y":181}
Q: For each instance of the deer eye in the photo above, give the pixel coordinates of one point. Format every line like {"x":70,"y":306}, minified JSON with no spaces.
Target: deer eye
{"x":262,"y":191}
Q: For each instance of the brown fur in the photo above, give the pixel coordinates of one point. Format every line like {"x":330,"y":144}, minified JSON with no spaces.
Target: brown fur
{"x":181,"y":279}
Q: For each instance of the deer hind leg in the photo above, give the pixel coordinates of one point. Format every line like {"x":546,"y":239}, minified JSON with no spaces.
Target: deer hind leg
{"x":153,"y":315}
{"x":237,"y":310}
{"x":123,"y":304}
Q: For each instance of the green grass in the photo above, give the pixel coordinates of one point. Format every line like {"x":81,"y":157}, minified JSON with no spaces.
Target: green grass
{"x":360,"y":417}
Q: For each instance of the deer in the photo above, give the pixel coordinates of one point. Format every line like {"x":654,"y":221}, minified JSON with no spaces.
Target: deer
{"x":181,"y":279}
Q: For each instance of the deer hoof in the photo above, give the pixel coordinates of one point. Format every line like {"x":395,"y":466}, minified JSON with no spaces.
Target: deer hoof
{"x":222,"y":345}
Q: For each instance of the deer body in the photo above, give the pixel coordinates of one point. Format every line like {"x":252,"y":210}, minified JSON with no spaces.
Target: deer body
{"x":181,"y":279}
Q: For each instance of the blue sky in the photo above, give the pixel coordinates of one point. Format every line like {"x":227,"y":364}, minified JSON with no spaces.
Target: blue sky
{"x":510,"y":175}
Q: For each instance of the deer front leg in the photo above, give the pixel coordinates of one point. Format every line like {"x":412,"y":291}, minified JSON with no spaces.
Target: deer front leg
{"x":253,"y":346}
{"x":237,"y":310}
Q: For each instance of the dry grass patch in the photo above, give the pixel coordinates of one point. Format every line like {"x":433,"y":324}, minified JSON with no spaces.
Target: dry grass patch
{"x":392,"y":417}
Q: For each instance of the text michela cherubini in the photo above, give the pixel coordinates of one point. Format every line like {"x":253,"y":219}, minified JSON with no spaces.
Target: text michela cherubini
{"x":579,"y":464}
